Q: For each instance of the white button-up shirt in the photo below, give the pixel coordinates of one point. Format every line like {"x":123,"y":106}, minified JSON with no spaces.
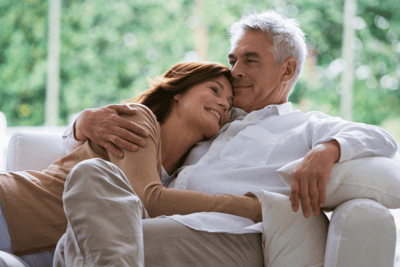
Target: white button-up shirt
{"x":246,"y":153}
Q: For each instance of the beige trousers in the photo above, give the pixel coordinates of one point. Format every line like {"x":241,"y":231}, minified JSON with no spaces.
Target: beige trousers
{"x":108,"y":226}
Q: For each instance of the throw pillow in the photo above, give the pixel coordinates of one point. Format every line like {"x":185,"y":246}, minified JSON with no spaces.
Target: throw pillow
{"x":289,"y":239}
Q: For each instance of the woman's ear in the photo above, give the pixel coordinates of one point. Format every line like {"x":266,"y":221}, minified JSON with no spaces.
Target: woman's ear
{"x":177,"y":97}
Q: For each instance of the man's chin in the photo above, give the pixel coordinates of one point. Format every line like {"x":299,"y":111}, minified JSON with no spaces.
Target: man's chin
{"x":239,"y":104}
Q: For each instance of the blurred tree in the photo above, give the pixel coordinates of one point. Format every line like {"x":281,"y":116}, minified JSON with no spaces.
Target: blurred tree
{"x":109,"y":48}
{"x":376,"y":94}
{"x":23,"y":48}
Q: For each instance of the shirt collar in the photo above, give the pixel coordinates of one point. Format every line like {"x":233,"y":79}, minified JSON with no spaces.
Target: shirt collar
{"x":239,"y":114}
{"x":165,"y":178}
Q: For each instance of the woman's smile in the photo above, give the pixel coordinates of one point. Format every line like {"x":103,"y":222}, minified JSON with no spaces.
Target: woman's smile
{"x":215,"y":113}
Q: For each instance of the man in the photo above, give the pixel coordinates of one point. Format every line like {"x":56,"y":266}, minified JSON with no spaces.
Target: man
{"x":266,"y":58}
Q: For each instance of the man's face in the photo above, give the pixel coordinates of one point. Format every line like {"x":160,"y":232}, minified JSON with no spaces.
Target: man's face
{"x":257,"y":80}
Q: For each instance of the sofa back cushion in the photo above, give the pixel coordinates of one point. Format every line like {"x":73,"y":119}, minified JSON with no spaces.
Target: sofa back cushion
{"x":33,"y":150}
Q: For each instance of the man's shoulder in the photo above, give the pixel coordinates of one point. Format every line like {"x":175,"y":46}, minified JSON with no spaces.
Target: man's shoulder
{"x":311,"y":114}
{"x":317,"y":114}
{"x":290,"y":116}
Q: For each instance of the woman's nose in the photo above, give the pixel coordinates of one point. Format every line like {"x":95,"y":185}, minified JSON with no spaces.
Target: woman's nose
{"x":223,"y":102}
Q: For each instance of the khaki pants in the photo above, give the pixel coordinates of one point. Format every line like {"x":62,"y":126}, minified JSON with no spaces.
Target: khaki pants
{"x":108,"y":226}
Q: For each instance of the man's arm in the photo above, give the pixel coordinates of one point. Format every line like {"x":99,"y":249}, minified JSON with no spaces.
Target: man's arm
{"x":333,"y":140}
{"x":68,"y":139}
{"x":106,"y":128}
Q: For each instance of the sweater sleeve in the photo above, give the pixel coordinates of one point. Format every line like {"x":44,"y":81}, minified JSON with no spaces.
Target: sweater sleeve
{"x":143,"y":170}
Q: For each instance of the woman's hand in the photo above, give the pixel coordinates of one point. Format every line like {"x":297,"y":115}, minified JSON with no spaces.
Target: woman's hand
{"x":106,"y":128}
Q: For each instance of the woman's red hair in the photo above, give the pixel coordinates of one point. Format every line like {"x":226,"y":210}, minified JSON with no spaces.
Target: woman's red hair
{"x":177,"y":80}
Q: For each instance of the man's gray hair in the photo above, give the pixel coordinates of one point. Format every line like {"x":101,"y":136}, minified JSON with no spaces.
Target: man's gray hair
{"x":285,"y":34}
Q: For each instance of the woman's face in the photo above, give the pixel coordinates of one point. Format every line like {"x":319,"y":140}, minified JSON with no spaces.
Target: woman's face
{"x":207,"y":104}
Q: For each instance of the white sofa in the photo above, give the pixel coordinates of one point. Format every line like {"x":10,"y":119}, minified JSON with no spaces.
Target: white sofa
{"x":353,"y":240}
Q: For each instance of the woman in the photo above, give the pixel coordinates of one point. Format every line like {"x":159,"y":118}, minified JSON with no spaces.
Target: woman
{"x":188,"y":103}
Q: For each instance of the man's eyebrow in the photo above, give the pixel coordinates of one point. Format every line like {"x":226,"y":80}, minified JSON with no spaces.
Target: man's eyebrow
{"x":246,"y":55}
{"x":251,"y":54}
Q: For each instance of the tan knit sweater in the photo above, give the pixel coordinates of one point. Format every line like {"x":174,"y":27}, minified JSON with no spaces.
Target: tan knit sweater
{"x":32,"y":200}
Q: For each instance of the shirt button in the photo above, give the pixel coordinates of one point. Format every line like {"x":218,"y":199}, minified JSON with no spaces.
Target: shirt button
{"x":229,"y":138}
{"x":251,"y":119}
{"x":186,"y":172}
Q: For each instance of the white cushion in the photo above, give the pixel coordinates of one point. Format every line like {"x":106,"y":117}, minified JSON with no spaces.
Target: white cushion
{"x":289,"y":239}
{"x":377,"y":178}
{"x":33,"y":150}
{"x":10,"y":260}
{"x":362,"y":233}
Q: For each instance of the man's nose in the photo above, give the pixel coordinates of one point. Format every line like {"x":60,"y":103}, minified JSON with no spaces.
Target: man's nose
{"x":237,"y":70}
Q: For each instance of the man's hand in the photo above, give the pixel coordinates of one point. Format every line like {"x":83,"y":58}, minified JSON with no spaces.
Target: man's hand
{"x":259,"y":216}
{"x":310,"y":177}
{"x":106,"y":128}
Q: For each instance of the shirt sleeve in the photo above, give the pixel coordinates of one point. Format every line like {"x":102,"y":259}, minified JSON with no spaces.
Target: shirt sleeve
{"x":69,"y":143}
{"x":356,"y":140}
{"x":143,"y":170}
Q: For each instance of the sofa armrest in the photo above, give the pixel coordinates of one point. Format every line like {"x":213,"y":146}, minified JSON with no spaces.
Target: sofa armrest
{"x":362,"y":233}
{"x":33,"y":150}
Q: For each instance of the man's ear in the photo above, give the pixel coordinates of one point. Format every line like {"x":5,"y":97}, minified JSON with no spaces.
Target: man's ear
{"x":289,"y":69}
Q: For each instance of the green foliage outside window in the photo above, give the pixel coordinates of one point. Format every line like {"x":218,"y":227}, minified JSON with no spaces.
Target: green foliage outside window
{"x":110,"y":47}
